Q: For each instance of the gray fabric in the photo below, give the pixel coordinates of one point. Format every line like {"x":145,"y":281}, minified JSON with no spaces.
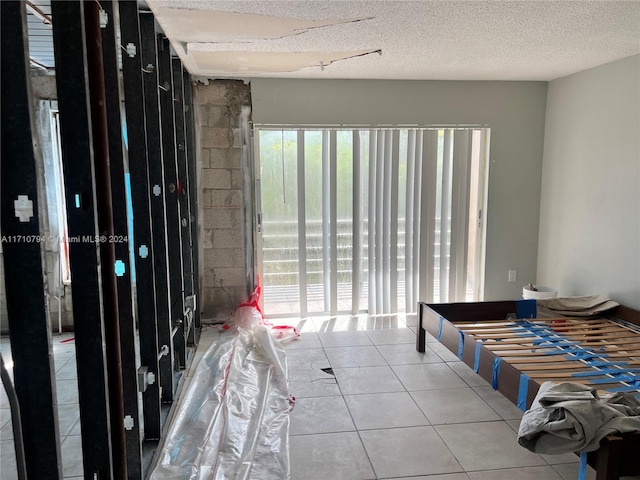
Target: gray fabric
{"x":585,"y":306}
{"x":570,"y":417}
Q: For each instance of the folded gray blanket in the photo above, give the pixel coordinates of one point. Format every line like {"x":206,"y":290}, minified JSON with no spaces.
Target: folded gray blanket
{"x":570,"y":417}
{"x":584,"y":306}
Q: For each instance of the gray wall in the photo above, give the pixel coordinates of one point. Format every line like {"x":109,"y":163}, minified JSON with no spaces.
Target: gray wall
{"x":514,"y":111}
{"x":590,"y":205}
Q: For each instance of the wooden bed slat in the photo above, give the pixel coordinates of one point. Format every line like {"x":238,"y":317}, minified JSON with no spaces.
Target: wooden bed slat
{"x":476,"y":333}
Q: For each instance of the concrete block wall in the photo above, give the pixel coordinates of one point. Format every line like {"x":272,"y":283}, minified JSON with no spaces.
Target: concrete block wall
{"x":221,"y":170}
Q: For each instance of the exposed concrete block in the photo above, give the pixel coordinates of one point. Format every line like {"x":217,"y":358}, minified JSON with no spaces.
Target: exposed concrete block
{"x":218,"y":116}
{"x":205,"y":199}
{"x":216,"y":178}
{"x":225,"y":158}
{"x":204,"y":158}
{"x":212,"y":94}
{"x":208,"y":308}
{"x":217,"y":304}
{"x":237,"y":94}
{"x":237,"y":178}
{"x":223,"y":218}
{"x":237,"y":138}
{"x":43,"y":85}
{"x":216,"y":137}
{"x":224,"y":258}
{"x":234,"y":92}
{"x":206,"y":238}
{"x":222,"y":184}
{"x":202,"y":115}
{"x":209,"y":219}
{"x":226,"y":198}
{"x":232,"y":276}
{"x":238,"y":294}
{"x":227,"y":238}
{"x":208,"y":274}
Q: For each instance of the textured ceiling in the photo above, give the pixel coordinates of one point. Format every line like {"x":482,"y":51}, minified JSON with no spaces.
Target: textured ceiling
{"x":438,"y":40}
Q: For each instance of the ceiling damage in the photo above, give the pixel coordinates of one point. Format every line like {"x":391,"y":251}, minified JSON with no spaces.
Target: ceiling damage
{"x":419,"y":39}
{"x":261,"y":62}
{"x":211,"y":39}
{"x":213,"y":26}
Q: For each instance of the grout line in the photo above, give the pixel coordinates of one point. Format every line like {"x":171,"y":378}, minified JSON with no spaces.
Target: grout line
{"x":357,"y":430}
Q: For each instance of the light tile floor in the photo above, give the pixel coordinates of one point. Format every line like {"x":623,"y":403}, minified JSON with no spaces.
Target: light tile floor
{"x":64,"y":357}
{"x":389,"y":412}
{"x":384,"y":411}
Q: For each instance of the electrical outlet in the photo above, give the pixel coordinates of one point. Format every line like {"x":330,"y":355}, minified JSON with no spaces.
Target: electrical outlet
{"x":512,"y":276}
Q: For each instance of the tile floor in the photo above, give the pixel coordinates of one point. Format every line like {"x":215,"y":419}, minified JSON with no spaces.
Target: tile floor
{"x":389,"y":412}
{"x":64,"y":354}
{"x":384,"y":411}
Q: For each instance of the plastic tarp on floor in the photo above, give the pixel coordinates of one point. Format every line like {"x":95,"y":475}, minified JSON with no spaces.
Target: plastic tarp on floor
{"x":232,"y":422}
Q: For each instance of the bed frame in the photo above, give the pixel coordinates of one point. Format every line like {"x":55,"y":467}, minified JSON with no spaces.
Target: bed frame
{"x":517,"y":356}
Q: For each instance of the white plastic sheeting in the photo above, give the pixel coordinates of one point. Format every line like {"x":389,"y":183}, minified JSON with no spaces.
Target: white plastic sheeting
{"x":233,"y":420}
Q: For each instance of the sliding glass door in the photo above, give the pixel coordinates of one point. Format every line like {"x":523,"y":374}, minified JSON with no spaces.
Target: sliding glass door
{"x":369,"y":220}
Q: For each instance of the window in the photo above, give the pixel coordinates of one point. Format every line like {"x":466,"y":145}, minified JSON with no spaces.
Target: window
{"x":60,"y":203}
{"x":369,"y":220}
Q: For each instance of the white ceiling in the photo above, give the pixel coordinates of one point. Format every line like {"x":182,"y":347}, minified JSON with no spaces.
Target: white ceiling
{"x":436,"y":40}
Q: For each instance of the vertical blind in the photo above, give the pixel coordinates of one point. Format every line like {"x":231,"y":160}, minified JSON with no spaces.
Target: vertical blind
{"x":388,"y":218}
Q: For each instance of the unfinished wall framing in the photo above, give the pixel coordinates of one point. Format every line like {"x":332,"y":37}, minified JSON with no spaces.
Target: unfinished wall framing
{"x":127,"y":144}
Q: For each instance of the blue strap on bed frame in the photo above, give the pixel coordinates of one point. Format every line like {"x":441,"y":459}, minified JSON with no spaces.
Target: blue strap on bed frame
{"x":460,"y":344}
{"x":526,"y":308}
{"x":439,"y":334}
{"x":633,"y":388}
{"x":595,"y":363}
{"x":631,"y":379}
{"x":476,"y":360}
{"x":555,"y":340}
{"x":578,"y":354}
{"x":496,"y":372}
{"x":582,"y":473}
{"x":523,"y":390}
{"x":607,"y":371}
{"x":534,"y":327}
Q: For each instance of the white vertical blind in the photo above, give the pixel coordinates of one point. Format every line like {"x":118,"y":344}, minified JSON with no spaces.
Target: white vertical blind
{"x":427,"y":203}
{"x":387,"y":164}
{"x":302,"y":226}
{"x":459,"y":214}
{"x":379,"y":216}
{"x":326,"y":215}
{"x":393,"y":202}
{"x":333,"y":221}
{"x":408,"y":231}
{"x":356,"y":243}
{"x":430,"y":226}
{"x":371,"y":221}
{"x":444,"y":213}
